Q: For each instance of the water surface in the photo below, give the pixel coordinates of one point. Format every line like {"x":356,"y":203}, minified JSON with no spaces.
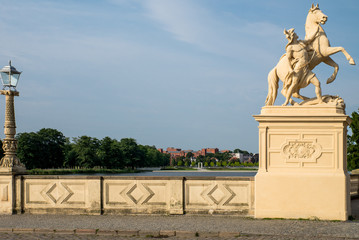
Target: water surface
{"x":194,"y":174}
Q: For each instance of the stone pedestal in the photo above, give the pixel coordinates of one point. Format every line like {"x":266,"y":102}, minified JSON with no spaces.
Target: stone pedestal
{"x":302,"y":168}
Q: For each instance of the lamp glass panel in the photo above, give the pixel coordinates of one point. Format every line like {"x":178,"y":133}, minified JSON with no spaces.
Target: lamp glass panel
{"x":14,"y":79}
{"x":5,"y":79}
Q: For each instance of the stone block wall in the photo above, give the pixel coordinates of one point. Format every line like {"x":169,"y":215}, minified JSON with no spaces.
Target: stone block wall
{"x":126,"y":195}
{"x":97,"y":195}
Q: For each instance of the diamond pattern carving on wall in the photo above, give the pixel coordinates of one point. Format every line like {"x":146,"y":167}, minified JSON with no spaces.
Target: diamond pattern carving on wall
{"x":301,"y":150}
{"x":218,"y":194}
{"x":55,"y":193}
{"x":150,"y":193}
{"x":59,"y":193}
{"x":113,"y":192}
{"x":135,"y":194}
{"x":138,"y":193}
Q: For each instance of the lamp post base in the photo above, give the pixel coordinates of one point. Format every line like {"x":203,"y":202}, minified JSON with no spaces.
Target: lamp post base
{"x":10,"y":163}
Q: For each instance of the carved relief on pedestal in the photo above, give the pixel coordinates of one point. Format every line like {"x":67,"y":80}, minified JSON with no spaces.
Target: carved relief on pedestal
{"x":10,"y":160}
{"x":301,"y":150}
{"x":9,"y":145}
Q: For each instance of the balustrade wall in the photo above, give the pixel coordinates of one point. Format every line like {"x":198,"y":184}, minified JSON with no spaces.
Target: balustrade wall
{"x":127,"y":195}
{"x":130,"y":195}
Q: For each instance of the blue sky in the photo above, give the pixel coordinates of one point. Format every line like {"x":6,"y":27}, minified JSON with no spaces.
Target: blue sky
{"x":181,"y":73}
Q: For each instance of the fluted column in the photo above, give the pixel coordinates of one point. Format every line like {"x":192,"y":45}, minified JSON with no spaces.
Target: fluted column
{"x":10,"y":162}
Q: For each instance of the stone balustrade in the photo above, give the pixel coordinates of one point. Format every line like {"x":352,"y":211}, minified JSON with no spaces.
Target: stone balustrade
{"x":97,"y":195}
{"x":126,"y":195}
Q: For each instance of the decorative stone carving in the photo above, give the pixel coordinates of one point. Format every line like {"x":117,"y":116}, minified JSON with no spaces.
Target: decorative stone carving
{"x":218,"y":194}
{"x":9,"y":145}
{"x":302,"y":56}
{"x":327,"y":100}
{"x":229,"y":196}
{"x":55,"y":193}
{"x":10,"y":162}
{"x":303,"y":150}
{"x":139,"y":195}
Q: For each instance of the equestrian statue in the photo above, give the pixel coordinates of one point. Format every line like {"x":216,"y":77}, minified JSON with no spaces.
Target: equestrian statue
{"x":295,"y":67}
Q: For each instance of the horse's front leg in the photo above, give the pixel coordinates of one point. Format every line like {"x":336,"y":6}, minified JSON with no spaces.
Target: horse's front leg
{"x":333,"y":64}
{"x":326,"y":52}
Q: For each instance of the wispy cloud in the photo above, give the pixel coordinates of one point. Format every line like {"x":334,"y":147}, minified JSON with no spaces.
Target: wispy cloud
{"x":194,"y":24}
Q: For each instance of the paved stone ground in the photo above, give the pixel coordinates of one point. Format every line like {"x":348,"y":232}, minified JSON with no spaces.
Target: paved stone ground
{"x":30,"y":227}
{"x":94,"y":237}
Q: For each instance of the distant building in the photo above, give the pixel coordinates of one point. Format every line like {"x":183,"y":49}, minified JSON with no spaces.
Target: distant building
{"x":178,"y":152}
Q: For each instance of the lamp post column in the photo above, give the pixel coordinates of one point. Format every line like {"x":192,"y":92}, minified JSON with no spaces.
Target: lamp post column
{"x":10,"y":161}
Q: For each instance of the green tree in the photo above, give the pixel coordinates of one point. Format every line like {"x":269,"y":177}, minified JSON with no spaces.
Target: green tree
{"x":353,"y":142}
{"x":189,"y":155}
{"x":86,"y":148}
{"x":42,"y":149}
{"x":52,"y":147}
{"x":180,"y":163}
{"x":130,"y":152}
{"x":109,"y":153}
{"x":28,"y":150}
{"x":71,"y":157}
{"x":237,"y":150}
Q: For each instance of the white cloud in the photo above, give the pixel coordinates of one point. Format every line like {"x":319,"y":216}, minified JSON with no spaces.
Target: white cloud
{"x":196,"y":25}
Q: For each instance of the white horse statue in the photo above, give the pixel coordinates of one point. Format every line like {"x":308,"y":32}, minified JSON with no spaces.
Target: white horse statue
{"x":318,"y":49}
{"x":321,"y":44}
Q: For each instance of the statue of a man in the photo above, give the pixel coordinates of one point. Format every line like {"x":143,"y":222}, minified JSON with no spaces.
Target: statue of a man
{"x":299,"y":59}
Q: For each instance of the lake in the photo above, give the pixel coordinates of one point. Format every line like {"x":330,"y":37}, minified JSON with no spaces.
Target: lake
{"x":194,"y":174}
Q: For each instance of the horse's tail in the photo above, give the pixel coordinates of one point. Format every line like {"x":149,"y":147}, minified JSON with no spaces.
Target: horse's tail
{"x":272,"y":87}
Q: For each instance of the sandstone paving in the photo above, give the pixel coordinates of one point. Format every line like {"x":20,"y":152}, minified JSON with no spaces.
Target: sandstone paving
{"x":34,"y":236}
{"x":143,"y":225}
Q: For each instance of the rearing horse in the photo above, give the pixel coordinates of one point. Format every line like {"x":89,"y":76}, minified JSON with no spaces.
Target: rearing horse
{"x":321,"y":44}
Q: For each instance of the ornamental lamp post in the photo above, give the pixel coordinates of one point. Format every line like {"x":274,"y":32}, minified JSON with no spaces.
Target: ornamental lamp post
{"x":10,"y":163}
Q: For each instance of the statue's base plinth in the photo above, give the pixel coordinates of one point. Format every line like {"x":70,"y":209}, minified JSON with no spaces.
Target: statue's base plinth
{"x":302,"y":170}
{"x":307,"y":196}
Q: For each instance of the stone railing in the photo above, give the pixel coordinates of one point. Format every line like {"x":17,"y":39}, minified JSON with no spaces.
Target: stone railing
{"x":128,"y":195}
{"x":354,"y":185}
{"x":131,"y":195}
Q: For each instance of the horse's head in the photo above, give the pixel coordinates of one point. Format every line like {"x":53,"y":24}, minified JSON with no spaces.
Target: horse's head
{"x":316,"y":16}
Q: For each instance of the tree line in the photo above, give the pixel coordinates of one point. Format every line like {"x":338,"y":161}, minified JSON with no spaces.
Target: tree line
{"x":353,"y":142}
{"x":49,"y":148}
